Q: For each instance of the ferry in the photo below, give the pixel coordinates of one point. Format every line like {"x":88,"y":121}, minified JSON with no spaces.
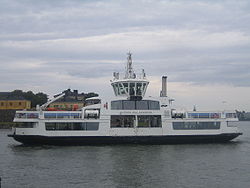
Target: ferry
{"x":129,"y":118}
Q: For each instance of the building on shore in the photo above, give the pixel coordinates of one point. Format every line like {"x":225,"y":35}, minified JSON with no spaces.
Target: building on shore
{"x":9,"y":102}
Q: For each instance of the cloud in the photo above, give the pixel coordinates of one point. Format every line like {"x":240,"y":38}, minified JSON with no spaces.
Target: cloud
{"x":80,"y":43}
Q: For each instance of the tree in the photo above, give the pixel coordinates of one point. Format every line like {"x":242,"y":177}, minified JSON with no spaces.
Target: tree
{"x":39,"y":98}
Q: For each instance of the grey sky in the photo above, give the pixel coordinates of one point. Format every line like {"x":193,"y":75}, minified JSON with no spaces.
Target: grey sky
{"x":49,"y":46}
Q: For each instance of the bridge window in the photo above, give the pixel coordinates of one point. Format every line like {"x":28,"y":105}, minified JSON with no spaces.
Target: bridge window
{"x":154,"y":105}
{"x":139,"y":89}
{"x":125,"y":85}
{"x":116,"y":105}
{"x":129,"y":105}
{"x":121,"y":89}
{"x":131,"y":89}
{"x":142,"y":105}
{"x":195,"y":125}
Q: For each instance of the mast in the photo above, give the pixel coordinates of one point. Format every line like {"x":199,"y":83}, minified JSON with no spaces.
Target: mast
{"x":131,"y":86}
{"x":129,"y":73}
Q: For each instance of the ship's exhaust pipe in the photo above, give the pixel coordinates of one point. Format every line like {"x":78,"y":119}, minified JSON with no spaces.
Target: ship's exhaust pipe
{"x":164,"y":86}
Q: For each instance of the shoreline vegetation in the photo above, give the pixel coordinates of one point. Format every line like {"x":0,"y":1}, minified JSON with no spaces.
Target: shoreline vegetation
{"x":7,"y":125}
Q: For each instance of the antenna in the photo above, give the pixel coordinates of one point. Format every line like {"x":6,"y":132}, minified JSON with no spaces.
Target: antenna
{"x":129,"y":69}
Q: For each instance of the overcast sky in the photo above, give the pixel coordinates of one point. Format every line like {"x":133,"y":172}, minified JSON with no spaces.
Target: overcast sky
{"x":202,"y":46}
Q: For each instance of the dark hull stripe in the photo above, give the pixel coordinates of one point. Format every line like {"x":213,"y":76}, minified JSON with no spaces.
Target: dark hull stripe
{"x":101,"y":140}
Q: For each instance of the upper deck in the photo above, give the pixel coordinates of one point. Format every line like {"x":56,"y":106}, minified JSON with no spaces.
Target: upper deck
{"x":118,"y":108}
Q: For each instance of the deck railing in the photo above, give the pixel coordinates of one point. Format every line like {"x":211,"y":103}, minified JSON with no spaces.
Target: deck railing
{"x":48,"y":115}
{"x":211,"y":115}
{"x":27,"y":115}
{"x":204,"y":115}
{"x":63,"y":115}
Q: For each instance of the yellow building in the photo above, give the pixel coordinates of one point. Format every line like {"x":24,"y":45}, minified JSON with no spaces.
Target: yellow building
{"x":14,"y":104}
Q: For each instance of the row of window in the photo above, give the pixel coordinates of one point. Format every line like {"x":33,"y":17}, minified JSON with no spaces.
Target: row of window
{"x":26,"y":124}
{"x":135,"y":105}
{"x":132,"y":88}
{"x":231,"y":115}
{"x":195,"y":125}
{"x":127,"y":121}
{"x":10,"y":103}
{"x":62,"y":115}
{"x":84,"y":126}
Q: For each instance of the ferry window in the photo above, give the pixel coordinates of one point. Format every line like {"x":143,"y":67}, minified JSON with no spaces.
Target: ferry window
{"x":154,"y":105}
{"x":116,"y":105}
{"x":26,"y":125}
{"x":143,"y":121}
{"x":125,"y":121}
{"x":231,"y":115}
{"x":131,"y":88}
{"x":149,"y":121}
{"x":72,"y":126}
{"x":138,"y":88}
{"x":91,"y":126}
{"x":195,"y":125}
{"x":142,"y":105}
{"x":128,"y":105}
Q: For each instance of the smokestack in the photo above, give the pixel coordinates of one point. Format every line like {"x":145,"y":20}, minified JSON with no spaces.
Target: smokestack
{"x":164,"y":86}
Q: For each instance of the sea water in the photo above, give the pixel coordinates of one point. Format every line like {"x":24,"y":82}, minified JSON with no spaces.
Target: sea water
{"x":187,"y":165}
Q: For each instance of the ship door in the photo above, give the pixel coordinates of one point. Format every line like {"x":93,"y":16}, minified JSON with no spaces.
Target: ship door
{"x":123,"y":125}
{"x":135,"y":126}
